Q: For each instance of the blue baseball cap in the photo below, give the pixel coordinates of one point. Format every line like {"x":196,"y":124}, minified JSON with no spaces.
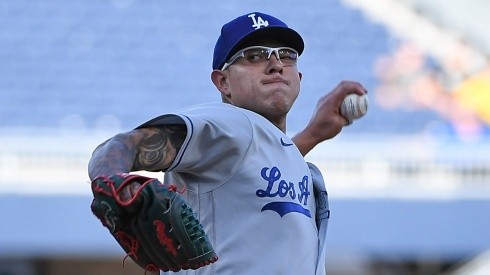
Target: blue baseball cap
{"x":244,"y":30}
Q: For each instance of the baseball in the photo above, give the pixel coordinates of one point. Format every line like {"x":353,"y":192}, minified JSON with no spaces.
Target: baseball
{"x":354,"y":107}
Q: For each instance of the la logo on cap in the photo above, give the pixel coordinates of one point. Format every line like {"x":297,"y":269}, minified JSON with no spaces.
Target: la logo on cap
{"x":258,"y":22}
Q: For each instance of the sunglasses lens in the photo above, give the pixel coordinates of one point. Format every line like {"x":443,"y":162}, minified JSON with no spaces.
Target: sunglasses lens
{"x":256,"y":54}
{"x":288,"y":56}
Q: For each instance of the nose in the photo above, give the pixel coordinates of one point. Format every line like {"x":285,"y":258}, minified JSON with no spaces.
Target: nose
{"x":274,"y":64}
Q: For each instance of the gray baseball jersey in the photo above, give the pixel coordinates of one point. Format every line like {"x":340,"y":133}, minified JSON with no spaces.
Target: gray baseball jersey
{"x":251,"y":189}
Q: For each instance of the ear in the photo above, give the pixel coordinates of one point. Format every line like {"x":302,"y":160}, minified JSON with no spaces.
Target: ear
{"x":220,"y":80}
{"x":300,"y":76}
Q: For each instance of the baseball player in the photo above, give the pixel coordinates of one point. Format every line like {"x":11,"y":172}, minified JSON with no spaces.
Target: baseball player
{"x":263,"y":208}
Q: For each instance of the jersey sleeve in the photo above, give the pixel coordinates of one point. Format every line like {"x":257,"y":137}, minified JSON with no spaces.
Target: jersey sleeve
{"x":218,"y":138}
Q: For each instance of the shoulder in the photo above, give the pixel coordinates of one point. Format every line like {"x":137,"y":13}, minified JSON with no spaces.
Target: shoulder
{"x":218,"y":110}
{"x":215,"y":117}
{"x":209,"y":110}
{"x":221,"y":115}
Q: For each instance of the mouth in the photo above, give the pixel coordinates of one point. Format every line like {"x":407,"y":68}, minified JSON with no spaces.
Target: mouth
{"x":276,"y":80}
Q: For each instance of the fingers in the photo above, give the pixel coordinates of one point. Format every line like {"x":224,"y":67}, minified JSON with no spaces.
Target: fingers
{"x":344,"y":88}
{"x":332,"y":102}
{"x":348,"y":87}
{"x":129,"y":191}
{"x":327,"y":121}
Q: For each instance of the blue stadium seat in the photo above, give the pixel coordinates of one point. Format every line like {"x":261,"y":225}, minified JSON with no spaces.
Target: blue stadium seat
{"x":134,"y":60}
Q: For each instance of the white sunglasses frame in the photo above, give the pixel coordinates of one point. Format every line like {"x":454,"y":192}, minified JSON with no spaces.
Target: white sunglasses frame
{"x":271,"y":50}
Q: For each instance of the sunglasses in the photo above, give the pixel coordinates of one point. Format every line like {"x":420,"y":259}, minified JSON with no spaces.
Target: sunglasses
{"x":258,"y":54}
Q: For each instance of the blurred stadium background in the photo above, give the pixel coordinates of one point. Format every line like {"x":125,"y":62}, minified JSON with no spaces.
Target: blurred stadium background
{"x":409,"y":184}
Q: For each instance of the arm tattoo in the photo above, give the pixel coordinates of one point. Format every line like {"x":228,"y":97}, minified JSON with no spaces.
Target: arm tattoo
{"x":151,"y":149}
{"x":158,"y":149}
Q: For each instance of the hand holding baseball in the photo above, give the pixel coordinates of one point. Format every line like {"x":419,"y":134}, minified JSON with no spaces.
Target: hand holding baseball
{"x":354,"y":107}
{"x":327,"y":120}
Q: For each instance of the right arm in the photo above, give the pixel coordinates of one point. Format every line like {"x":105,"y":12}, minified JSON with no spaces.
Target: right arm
{"x":150,"y":149}
{"x":326,"y":121}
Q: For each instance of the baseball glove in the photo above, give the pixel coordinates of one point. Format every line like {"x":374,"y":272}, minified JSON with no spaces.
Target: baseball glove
{"x":154,"y":225}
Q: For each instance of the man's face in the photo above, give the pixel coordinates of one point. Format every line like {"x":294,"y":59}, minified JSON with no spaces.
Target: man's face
{"x":268,"y":88}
